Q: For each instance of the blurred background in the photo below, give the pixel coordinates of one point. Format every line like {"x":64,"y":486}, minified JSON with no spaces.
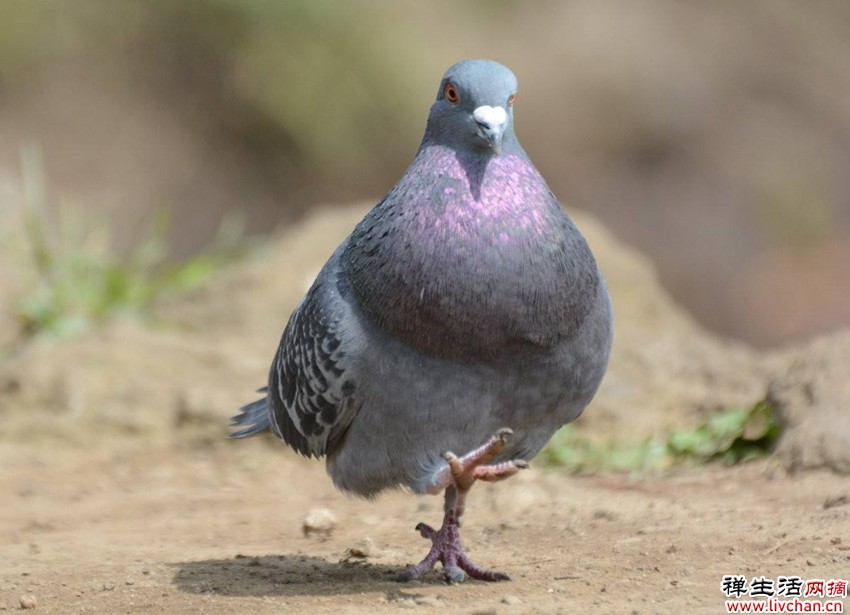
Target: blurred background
{"x":714,"y":137}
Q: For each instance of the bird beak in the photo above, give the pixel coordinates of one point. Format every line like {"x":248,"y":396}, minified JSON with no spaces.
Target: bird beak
{"x":491,"y":123}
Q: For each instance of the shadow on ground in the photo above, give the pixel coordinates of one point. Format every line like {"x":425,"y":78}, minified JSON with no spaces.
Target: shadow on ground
{"x":286,"y":575}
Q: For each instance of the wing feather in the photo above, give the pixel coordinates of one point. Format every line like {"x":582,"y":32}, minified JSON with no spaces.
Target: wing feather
{"x":312,"y":392}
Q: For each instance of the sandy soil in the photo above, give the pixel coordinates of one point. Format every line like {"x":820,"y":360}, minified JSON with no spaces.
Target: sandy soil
{"x":220,"y":531}
{"x":120,"y":495}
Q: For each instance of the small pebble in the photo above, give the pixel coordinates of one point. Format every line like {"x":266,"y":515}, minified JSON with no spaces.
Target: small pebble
{"x":319,"y":522}
{"x":513,"y":600}
{"x":431,"y":601}
{"x":365,"y":548}
{"x":28,"y":602}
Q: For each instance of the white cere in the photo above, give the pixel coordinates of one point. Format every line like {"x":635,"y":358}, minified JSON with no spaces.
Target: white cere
{"x":491,"y":116}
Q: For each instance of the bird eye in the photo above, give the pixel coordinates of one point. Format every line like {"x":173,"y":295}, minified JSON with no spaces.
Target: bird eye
{"x":451,"y":93}
{"x":511,"y":99}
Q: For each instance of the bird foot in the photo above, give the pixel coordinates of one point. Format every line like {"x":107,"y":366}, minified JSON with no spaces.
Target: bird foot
{"x":462,"y":472}
{"x":457,"y":477}
{"x":448,"y":550}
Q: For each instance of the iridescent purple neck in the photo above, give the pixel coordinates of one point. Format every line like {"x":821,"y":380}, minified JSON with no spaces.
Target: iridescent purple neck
{"x":476,"y":196}
{"x":470,"y":254}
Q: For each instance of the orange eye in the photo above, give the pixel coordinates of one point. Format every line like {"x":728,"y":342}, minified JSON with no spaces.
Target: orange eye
{"x":511,"y":99}
{"x":451,"y":93}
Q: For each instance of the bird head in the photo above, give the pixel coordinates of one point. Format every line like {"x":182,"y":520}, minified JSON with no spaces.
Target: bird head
{"x":474,"y":107}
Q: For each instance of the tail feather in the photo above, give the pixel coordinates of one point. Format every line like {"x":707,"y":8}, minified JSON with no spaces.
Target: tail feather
{"x":255,"y":415}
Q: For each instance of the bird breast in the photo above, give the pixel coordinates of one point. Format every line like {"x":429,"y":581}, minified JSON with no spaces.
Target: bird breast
{"x":470,"y":262}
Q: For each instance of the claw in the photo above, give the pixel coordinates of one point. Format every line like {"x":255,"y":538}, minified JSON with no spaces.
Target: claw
{"x":504,"y":432}
{"x":454,"y":575}
{"x":497,"y":443}
{"x":407,"y":575}
{"x":426,"y":530}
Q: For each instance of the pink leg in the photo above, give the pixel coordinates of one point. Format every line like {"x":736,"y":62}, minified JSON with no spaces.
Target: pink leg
{"x":460,"y":470}
{"x":457,"y":478}
{"x":448,"y":550}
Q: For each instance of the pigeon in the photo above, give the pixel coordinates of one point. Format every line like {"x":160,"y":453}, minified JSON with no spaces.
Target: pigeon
{"x":461,"y":323}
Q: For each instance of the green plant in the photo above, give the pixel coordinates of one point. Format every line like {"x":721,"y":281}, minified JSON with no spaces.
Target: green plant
{"x":74,"y":278}
{"x":731,"y":436}
{"x":570,"y":450}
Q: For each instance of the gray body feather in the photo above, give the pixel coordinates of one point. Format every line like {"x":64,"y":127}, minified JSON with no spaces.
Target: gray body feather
{"x":464,"y":302}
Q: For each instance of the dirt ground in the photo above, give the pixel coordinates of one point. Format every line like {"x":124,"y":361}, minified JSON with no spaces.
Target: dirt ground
{"x":120,"y":494}
{"x":191,"y":531}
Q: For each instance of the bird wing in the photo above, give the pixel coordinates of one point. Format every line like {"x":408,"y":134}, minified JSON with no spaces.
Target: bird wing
{"x":311,"y":388}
